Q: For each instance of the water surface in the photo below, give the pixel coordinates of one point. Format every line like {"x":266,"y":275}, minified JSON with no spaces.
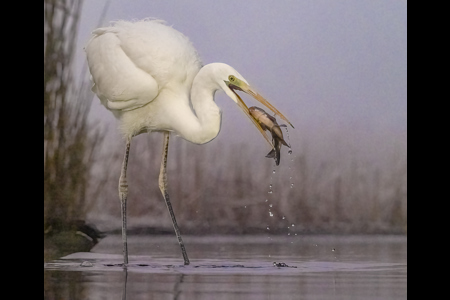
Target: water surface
{"x":235,"y":267}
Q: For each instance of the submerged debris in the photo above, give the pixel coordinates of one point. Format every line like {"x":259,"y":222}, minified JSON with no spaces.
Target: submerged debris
{"x":282,"y":265}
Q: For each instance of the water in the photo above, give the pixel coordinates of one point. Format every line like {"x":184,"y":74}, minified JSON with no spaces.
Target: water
{"x":235,"y":267}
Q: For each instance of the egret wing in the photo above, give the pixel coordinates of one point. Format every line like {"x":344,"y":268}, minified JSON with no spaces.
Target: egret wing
{"x":118,"y":82}
{"x":159,"y":50}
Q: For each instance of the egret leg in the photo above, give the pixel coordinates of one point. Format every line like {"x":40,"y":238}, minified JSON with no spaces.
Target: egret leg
{"x":123,"y":193}
{"x":163,"y":187}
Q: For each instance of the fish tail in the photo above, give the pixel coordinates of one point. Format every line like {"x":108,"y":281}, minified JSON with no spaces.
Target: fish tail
{"x":271,"y":154}
{"x":276,"y":152}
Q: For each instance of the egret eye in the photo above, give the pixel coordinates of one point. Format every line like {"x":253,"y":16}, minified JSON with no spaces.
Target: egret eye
{"x":232,"y":78}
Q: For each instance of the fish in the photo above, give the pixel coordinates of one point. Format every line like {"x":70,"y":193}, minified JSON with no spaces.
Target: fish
{"x":269,"y":123}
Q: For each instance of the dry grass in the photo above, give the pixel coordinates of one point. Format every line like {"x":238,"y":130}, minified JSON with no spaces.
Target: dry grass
{"x":70,"y":144}
{"x":214,"y":190}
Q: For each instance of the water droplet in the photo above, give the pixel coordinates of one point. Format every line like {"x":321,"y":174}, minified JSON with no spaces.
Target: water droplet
{"x":267,"y":200}
{"x":290,"y":152}
{"x":292,"y":185}
{"x":274,"y":171}
{"x":293,"y":225}
{"x":271,"y":192}
{"x":289,"y":234}
{"x":271,"y":186}
{"x":271,"y":205}
{"x":268,"y":228}
{"x":284,"y":218}
{"x":271,"y":214}
{"x":245,"y":207}
{"x":296,"y":234}
{"x":334,"y":250}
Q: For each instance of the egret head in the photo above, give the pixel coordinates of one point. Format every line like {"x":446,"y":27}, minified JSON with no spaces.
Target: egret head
{"x":234,"y":83}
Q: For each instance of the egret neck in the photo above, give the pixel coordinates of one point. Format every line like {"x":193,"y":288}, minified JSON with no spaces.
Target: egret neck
{"x":209,"y":115}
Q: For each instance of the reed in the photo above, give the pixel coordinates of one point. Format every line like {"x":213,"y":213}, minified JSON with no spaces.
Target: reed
{"x":70,"y":142}
{"x":216,"y":190}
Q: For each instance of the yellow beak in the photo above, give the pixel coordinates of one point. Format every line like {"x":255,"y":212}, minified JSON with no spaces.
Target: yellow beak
{"x":237,"y":84}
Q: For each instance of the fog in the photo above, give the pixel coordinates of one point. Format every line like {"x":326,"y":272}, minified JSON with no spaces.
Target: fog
{"x":336,"y":69}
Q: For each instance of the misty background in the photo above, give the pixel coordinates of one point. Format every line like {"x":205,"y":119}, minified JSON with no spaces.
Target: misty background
{"x":336,"y":69}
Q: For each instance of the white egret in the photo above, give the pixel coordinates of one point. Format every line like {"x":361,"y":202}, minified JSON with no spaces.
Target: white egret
{"x":151,"y":78}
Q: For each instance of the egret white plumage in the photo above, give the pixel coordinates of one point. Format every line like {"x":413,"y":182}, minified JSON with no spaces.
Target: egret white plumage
{"x":151,"y":78}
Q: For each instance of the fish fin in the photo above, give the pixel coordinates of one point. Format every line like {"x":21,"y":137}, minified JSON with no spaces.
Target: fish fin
{"x":283,"y":141}
{"x":275,"y":155}
{"x":271,"y":154}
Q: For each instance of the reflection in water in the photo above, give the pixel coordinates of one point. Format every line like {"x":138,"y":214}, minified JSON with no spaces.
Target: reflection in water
{"x":125,"y":283}
{"x":62,"y":238}
{"x":64,"y":285}
{"x":139,"y":284}
{"x":178,"y":286}
{"x":358,"y":268}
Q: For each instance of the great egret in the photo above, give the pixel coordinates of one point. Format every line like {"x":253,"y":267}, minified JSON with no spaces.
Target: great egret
{"x":151,"y":78}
